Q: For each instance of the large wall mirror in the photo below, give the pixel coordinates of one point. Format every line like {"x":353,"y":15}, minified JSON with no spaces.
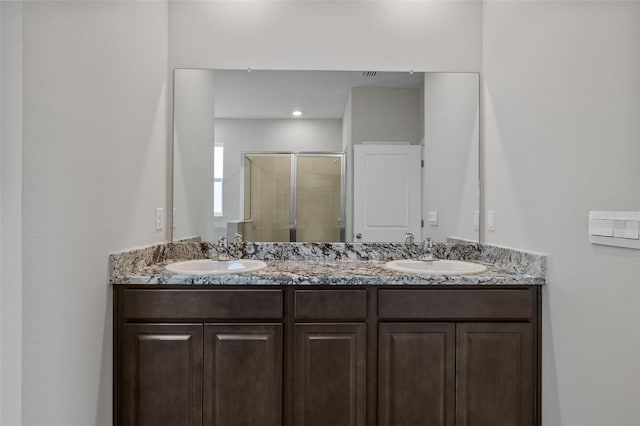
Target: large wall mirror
{"x":325,"y":156}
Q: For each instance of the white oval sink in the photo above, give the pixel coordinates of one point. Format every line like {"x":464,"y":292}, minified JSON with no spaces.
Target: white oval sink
{"x":215,"y":267}
{"x":436,"y":267}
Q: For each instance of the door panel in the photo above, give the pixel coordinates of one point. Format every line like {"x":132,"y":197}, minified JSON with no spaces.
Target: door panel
{"x":416,"y":374}
{"x":387,"y":192}
{"x":329,"y":375}
{"x":162,"y":375}
{"x":243,"y":375}
{"x":494,"y":374}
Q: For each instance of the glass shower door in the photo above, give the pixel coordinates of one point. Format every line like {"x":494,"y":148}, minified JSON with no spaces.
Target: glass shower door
{"x":318,"y":207}
{"x":293,"y":197}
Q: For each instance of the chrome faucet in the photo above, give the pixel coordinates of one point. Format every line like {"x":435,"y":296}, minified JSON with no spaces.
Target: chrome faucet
{"x":409,"y":238}
{"x":223,"y":249}
{"x":237,"y":238}
{"x":427,"y":250}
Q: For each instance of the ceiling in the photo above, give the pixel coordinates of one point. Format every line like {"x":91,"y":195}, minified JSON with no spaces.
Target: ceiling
{"x":276,"y":94}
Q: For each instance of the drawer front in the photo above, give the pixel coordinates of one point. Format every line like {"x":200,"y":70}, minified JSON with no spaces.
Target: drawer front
{"x":457,"y":304}
{"x":331,"y":304}
{"x":202,"y":304}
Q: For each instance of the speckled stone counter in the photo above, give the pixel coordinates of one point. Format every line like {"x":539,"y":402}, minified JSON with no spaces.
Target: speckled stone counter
{"x":328,"y":264}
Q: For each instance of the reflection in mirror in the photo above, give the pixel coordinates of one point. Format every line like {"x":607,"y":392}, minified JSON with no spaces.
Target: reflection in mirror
{"x":293,"y":197}
{"x":325,"y":155}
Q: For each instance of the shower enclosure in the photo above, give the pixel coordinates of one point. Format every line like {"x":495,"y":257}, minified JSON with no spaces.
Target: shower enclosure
{"x":291,"y":197}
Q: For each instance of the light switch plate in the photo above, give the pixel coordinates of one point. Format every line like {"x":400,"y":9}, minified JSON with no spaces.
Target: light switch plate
{"x":601,"y":227}
{"x":432,"y":218}
{"x":632,"y":229}
{"x":619,"y":228}
{"x":615,"y":228}
{"x":491,"y":220}
{"x":159,"y":218}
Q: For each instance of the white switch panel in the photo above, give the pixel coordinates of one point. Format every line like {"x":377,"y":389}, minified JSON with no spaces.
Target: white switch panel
{"x":159,"y":218}
{"x":476,"y":220}
{"x":615,"y":228}
{"x":173,"y":218}
{"x":432,"y":217}
{"x":632,"y":229}
{"x":491,"y":220}
{"x":602,"y":227}
{"x":619,"y":228}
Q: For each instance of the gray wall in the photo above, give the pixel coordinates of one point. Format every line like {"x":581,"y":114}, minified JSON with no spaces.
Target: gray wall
{"x":561,"y":119}
{"x":95,"y":169}
{"x":562,"y":137}
{"x":438,"y":35}
{"x":451,"y":168}
{"x":10,"y":212}
{"x":193,"y":141}
{"x":385,"y":115}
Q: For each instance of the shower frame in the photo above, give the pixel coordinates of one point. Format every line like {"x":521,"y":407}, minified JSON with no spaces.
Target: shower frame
{"x":293,"y":223}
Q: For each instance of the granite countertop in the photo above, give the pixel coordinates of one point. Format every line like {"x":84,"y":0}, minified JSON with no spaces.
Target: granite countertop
{"x":327,"y":264}
{"x":326,"y":272}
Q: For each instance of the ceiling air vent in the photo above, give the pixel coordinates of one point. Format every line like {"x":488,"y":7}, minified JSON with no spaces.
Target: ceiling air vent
{"x":369,"y":74}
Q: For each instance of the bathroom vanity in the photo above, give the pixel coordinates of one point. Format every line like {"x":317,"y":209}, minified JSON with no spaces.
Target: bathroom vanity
{"x":328,"y":342}
{"x":305,"y":355}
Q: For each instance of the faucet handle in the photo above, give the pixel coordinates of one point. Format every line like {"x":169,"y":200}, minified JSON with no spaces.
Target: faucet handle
{"x":427,"y":250}
{"x":237,"y":237}
{"x":409,"y":238}
{"x":427,"y":245}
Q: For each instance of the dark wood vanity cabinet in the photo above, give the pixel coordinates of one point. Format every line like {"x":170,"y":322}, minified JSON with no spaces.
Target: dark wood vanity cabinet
{"x":329,"y":380}
{"x":160,"y":374}
{"x":327,"y":356}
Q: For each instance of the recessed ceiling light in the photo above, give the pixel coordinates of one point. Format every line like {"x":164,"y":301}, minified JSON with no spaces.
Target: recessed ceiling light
{"x":296,"y":113}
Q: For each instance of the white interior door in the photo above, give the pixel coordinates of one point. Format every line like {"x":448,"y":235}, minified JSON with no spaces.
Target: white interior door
{"x":387,"y":192}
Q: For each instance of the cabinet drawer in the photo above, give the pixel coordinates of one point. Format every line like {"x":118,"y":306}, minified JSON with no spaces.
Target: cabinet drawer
{"x":457,"y":304}
{"x":203,"y":304}
{"x":331,"y":304}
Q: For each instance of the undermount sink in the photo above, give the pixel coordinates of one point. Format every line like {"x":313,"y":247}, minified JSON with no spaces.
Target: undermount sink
{"x":215,"y":267}
{"x":436,"y":267}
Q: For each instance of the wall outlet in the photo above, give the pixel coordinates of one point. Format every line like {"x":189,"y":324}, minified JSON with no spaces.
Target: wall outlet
{"x":159,"y":219}
{"x":491,"y":220}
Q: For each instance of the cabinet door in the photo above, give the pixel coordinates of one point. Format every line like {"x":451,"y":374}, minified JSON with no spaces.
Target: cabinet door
{"x":243,"y":375}
{"x":329,"y":375}
{"x":161,"y":378}
{"x":416,"y":368}
{"x":494,"y":374}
